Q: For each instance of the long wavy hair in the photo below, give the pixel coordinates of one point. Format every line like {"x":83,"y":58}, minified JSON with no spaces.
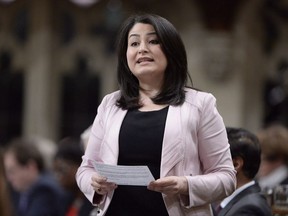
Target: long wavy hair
{"x":176,"y":74}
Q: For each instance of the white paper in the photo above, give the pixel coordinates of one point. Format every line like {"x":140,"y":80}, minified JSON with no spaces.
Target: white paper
{"x":125,"y":175}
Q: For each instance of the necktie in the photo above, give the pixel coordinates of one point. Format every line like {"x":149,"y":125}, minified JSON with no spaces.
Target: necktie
{"x":23,"y":201}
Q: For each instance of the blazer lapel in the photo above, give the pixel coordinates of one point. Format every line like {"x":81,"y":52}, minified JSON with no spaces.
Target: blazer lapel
{"x":110,"y":148}
{"x":172,"y":150}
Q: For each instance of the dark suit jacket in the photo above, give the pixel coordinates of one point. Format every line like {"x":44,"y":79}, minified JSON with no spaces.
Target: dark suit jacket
{"x":249,"y":202}
{"x":42,"y":199}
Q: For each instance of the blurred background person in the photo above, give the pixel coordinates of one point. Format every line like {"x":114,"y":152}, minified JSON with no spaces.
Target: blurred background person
{"x":274,"y":166}
{"x":5,"y":201}
{"x":67,"y":160}
{"x":37,"y":193}
{"x":247,"y":198}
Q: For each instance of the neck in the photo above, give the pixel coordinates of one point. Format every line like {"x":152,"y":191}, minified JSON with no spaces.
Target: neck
{"x":148,"y":91}
{"x":242,"y":180}
{"x":148,"y":104}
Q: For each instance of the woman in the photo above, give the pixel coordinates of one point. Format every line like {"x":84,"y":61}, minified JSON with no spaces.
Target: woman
{"x":155,"y":120}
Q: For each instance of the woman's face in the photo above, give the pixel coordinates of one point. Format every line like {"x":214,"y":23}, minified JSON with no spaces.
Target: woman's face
{"x":145,"y":57}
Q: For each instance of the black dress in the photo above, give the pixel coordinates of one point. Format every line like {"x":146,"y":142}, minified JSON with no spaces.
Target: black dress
{"x":140,"y":143}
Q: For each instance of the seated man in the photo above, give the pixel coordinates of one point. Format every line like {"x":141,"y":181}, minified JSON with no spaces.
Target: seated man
{"x":246,"y":199}
{"x":39,"y":194}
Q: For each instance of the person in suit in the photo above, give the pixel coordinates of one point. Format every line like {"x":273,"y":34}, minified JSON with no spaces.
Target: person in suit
{"x":247,"y":199}
{"x":36,"y":191}
{"x":66,"y":162}
{"x":156,"y":120}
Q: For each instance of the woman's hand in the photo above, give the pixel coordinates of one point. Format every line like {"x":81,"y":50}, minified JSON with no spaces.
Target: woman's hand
{"x":101,"y":186}
{"x":171,"y":185}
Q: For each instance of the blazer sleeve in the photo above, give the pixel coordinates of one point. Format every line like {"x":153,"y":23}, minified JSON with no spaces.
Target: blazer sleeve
{"x":218,"y":177}
{"x":86,"y":169}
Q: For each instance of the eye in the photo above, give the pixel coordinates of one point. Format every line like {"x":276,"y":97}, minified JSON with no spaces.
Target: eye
{"x":133,"y":44}
{"x":154,"y":41}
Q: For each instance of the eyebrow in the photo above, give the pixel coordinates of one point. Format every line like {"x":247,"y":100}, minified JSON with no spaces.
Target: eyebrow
{"x":137,"y":35}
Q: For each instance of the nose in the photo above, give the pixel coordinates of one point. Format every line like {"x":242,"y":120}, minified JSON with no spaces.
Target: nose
{"x":143,"y":47}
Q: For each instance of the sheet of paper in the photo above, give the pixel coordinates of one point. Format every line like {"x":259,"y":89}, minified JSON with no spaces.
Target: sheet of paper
{"x":125,"y":175}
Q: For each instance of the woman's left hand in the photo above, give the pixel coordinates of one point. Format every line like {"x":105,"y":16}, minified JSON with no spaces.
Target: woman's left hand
{"x":171,"y":185}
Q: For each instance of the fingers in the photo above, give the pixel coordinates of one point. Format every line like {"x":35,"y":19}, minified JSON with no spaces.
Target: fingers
{"x":168,"y":189}
{"x":171,"y":185}
{"x":101,"y":186}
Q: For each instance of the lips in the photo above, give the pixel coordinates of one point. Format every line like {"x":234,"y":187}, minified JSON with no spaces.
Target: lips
{"x":144,"y":59}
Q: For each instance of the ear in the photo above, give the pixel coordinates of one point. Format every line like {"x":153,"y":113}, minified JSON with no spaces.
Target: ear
{"x":238,"y":163}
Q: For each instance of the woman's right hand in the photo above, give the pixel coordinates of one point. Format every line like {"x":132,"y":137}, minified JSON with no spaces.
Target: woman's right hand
{"x":100,"y":184}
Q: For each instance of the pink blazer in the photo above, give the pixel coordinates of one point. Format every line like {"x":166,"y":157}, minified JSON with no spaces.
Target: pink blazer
{"x":195,"y":145}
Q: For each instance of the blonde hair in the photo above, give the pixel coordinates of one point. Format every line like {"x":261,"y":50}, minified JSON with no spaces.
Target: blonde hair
{"x":274,"y":142}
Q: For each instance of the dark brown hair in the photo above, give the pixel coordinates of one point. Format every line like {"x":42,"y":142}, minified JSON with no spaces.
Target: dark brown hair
{"x":26,"y":150}
{"x":246,"y":145}
{"x":176,"y":73}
